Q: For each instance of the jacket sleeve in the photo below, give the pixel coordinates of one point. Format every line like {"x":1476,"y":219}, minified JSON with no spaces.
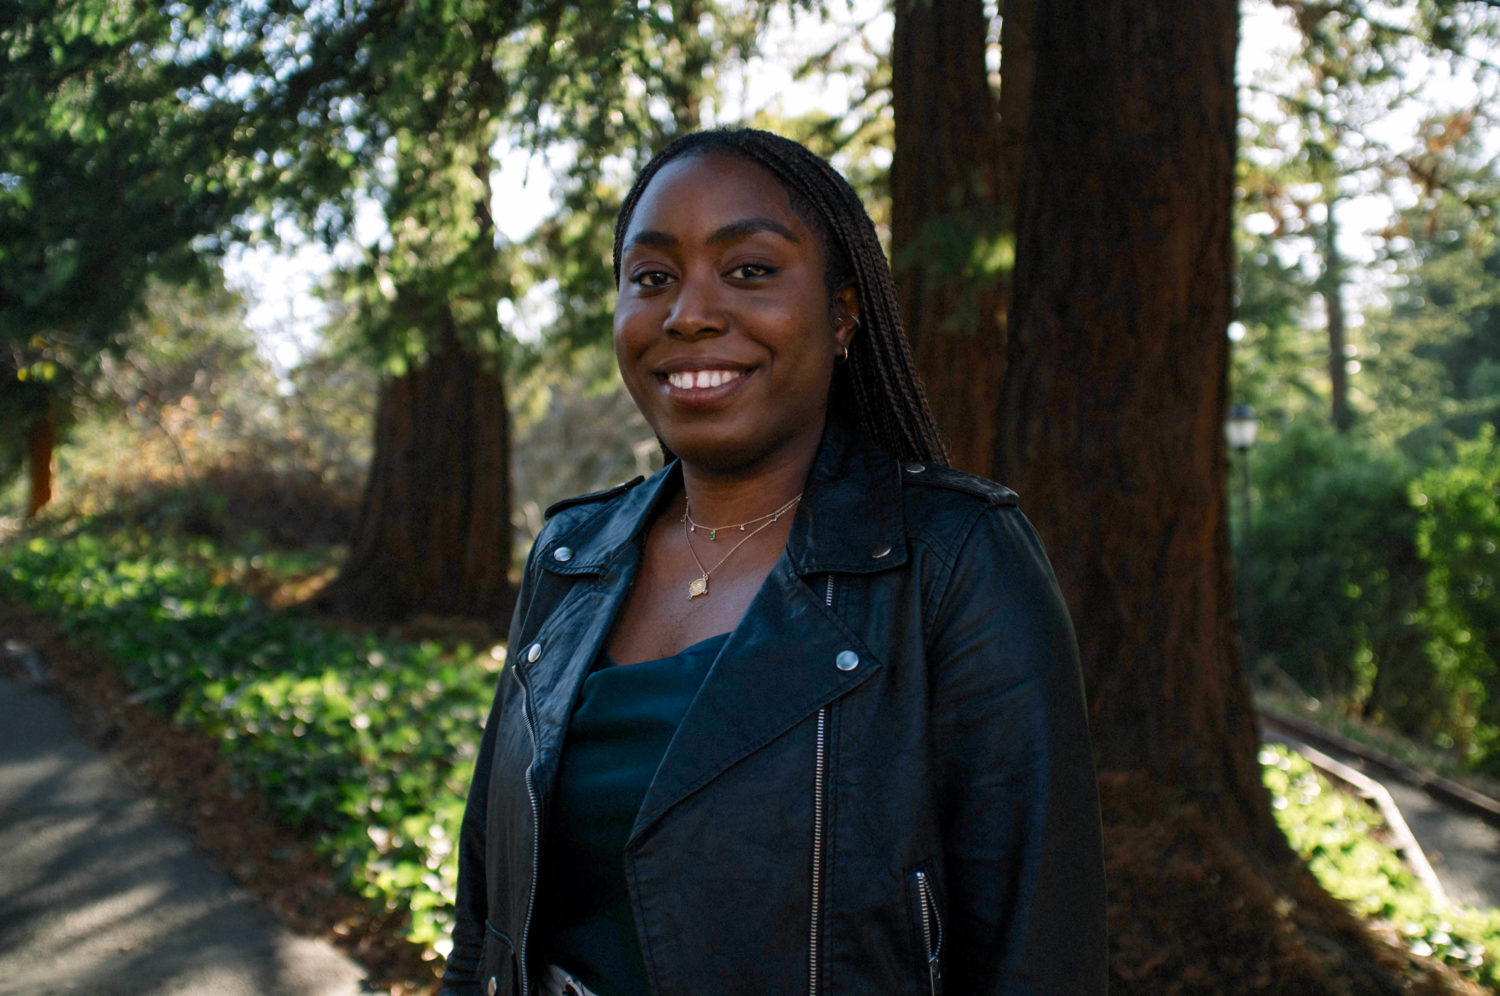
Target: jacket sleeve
{"x":1019,"y":803}
{"x":464,"y":967}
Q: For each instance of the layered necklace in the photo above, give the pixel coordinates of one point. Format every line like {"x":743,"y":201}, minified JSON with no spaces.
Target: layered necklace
{"x":699,"y":585}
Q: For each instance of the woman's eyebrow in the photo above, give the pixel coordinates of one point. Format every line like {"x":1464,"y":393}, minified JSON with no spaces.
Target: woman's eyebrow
{"x":723,"y":234}
{"x":749,"y":226}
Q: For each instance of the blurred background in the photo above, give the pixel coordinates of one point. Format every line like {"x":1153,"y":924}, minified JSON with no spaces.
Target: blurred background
{"x":304,"y":320}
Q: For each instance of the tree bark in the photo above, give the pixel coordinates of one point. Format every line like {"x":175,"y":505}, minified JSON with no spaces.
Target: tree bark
{"x":1331,"y":288}
{"x":41,"y":445}
{"x":434,"y":529}
{"x":948,"y":220}
{"x":1017,"y":71}
{"x":1112,"y":407}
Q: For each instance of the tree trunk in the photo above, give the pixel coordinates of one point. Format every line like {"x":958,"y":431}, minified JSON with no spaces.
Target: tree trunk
{"x":1331,"y":287}
{"x":41,"y":445}
{"x":1017,"y":70}
{"x":948,"y":221}
{"x":434,"y":528}
{"x":1112,"y":408}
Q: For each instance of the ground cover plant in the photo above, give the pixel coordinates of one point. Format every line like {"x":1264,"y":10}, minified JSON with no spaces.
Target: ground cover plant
{"x":1342,"y":840}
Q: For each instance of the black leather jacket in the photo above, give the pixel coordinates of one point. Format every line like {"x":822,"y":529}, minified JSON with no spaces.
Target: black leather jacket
{"x":884,"y":786}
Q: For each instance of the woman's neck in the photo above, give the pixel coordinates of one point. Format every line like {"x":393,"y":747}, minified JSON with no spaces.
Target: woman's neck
{"x":719,"y":498}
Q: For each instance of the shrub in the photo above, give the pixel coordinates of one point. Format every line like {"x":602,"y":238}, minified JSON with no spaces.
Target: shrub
{"x":1458,"y":536}
{"x":1333,"y":575}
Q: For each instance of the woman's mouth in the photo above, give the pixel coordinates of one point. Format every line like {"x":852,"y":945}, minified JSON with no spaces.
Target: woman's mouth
{"x":690,"y":380}
{"x":706,"y":388}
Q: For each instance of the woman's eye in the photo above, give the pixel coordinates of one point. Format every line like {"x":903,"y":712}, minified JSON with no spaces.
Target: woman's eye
{"x":752,"y":271}
{"x":650,"y":278}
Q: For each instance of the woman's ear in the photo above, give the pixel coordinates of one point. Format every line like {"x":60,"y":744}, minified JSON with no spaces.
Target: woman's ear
{"x":845,"y":314}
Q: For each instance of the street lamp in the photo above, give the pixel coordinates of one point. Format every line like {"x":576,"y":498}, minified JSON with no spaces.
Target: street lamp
{"x":1239,"y":429}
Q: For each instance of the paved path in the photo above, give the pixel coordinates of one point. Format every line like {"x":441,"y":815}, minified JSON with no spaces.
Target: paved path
{"x":101,"y":895}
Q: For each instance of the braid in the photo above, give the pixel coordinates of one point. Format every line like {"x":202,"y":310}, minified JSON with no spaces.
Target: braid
{"x":877,"y":389}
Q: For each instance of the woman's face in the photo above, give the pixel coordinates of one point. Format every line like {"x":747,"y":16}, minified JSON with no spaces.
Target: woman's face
{"x":724,"y":331}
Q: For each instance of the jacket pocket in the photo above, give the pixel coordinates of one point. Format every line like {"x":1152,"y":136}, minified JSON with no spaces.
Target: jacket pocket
{"x":499,"y":963}
{"x":927,"y":913}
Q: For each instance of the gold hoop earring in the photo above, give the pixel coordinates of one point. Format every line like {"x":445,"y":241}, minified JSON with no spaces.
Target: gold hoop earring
{"x":843,"y":357}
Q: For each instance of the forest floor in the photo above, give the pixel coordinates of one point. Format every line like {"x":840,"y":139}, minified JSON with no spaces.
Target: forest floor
{"x":1188,"y":913}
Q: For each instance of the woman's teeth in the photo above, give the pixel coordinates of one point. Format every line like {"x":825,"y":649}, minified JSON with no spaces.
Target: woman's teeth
{"x":689,"y":379}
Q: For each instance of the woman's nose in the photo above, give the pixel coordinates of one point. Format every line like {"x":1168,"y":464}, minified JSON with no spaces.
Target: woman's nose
{"x":696,"y":309}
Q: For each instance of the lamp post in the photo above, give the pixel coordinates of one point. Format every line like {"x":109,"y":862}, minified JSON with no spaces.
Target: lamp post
{"x":1239,"y":429}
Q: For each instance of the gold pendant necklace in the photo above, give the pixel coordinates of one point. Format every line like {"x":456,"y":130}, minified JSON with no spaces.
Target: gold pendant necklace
{"x":699,"y":585}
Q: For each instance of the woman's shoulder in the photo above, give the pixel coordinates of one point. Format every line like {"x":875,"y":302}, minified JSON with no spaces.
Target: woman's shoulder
{"x":958,"y":514}
{"x":591,"y":499}
{"x":919,"y":477}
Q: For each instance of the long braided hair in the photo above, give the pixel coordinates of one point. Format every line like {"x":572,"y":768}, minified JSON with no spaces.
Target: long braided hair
{"x":877,"y":388}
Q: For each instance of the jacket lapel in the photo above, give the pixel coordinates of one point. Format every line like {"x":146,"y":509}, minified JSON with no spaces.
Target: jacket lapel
{"x":778,"y":667}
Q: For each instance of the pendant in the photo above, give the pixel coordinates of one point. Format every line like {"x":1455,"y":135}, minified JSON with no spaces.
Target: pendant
{"x":698,"y":586}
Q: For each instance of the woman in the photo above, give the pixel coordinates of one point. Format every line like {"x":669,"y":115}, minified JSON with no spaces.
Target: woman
{"x":801,"y":713}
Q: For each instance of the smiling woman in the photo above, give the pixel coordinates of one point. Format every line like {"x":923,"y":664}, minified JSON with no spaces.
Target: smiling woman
{"x":801,"y":713}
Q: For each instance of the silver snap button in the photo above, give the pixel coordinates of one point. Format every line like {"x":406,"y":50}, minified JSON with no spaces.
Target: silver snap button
{"x":533,"y":652}
{"x":914,"y":468}
{"x":492,"y":985}
{"x":884,"y":550}
{"x":562,"y":554}
{"x":847,"y":660}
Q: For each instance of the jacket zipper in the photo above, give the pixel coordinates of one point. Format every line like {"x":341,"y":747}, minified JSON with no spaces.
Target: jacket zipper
{"x":820,"y":759}
{"x":536,"y":828}
{"x":930,"y":919}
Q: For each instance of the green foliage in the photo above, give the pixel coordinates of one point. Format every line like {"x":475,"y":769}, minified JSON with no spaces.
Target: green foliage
{"x":366,"y":744}
{"x":107,"y":176}
{"x":1332,"y":574}
{"x":1434,"y":365}
{"x":1458,"y":536}
{"x":1340,"y":839}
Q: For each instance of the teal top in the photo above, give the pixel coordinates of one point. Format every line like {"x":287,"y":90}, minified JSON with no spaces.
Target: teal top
{"x":625,"y":718}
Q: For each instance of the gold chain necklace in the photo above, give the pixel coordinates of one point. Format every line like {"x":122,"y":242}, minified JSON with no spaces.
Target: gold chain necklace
{"x":699,"y":585}
{"x":713,"y":531}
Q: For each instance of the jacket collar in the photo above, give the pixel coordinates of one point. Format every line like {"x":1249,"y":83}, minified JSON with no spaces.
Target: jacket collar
{"x":850,"y":519}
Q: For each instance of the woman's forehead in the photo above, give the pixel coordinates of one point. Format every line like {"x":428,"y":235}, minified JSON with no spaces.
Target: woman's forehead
{"x":711,"y":189}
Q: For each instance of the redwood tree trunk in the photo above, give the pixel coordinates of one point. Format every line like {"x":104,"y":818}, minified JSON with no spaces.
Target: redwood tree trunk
{"x":434,"y":529}
{"x":1112,"y":407}
{"x":949,"y":217}
{"x":41,"y":445}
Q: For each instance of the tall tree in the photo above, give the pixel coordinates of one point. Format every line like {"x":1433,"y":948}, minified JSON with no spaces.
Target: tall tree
{"x":949,"y":216}
{"x":106,"y":178}
{"x":1111,"y":411}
